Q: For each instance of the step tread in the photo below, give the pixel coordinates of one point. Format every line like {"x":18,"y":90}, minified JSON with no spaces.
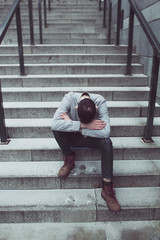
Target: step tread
{"x":119,"y":104}
{"x":51,"y":144}
{"x":48,"y":200}
{"x":82,"y":169}
{"x":68,"y":64}
{"x":74,"y":76}
{"x":89,"y":230}
{"x":67,"y":45}
{"x":65,"y":54}
{"x":69,"y":89}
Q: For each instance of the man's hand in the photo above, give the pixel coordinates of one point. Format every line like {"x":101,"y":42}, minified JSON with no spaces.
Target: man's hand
{"x":65,"y":117}
{"x":94,"y":125}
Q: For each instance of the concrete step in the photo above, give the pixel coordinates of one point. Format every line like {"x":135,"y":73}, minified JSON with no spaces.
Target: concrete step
{"x":65,"y":48}
{"x":70,"y":68}
{"x":77,"y":205}
{"x":60,"y":38}
{"x":41,"y":128}
{"x":117,"y":230}
{"x":57,"y":19}
{"x":69,"y":8}
{"x":109,"y":80}
{"x":85,"y":175}
{"x":47,"y":149}
{"x":48,"y":39}
{"x":60,"y":30}
{"x":36,"y":94}
{"x":92,"y":13}
{"x":47,"y":109}
{"x":71,"y":28}
{"x":67,"y":36}
{"x":67,"y":58}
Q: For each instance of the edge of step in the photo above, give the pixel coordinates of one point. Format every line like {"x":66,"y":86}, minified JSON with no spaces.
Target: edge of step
{"x":79,"y":205}
{"x":99,"y":230}
{"x":86,"y":174}
{"x":51,"y":144}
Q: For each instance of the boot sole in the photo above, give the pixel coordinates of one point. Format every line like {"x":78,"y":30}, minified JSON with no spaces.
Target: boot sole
{"x":116,"y":212}
{"x":64,"y":177}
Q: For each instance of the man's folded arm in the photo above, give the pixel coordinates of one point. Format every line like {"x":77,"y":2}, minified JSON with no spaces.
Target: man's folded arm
{"x":59,"y":124}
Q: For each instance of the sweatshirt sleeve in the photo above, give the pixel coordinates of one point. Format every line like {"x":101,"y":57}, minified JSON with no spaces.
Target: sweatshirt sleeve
{"x":102,"y":114}
{"x":59,"y":124}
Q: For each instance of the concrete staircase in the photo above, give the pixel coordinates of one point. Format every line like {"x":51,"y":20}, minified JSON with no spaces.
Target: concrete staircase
{"x":75,"y":57}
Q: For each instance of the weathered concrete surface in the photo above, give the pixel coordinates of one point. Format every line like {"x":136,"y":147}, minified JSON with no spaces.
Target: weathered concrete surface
{"x":46,"y":149}
{"x":86,"y":174}
{"x":77,"y":205}
{"x":147,"y":230}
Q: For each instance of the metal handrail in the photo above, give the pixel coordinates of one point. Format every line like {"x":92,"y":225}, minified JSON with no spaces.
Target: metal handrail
{"x":109,"y":7}
{"x":118,"y":22}
{"x":134,"y":9}
{"x":49,"y":5}
{"x":104,"y":14}
{"x":100,"y":5}
{"x":14,"y":9}
{"x":40,"y":18}
{"x":31,"y":22}
{"x":109,"y":21}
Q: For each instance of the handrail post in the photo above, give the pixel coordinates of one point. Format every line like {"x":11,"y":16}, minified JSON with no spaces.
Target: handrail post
{"x":3,"y":133}
{"x":100,"y":8}
{"x":109,"y":22}
{"x":104,"y":14}
{"x":20,"y":41}
{"x":118,"y":22}
{"x":31,"y":21}
{"x":40,"y":21}
{"x":45,"y":14}
{"x":152,"y":98}
{"x":130,"y":42}
{"x":49,"y":5}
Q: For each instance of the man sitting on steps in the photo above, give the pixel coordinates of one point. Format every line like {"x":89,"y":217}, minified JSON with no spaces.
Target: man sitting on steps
{"x":82,"y":121}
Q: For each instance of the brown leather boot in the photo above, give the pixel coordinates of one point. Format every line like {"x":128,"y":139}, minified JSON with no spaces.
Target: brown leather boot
{"x":109,"y":196}
{"x":69,"y":164}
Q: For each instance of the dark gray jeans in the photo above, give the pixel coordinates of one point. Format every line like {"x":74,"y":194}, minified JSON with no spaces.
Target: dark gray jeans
{"x":66,"y":140}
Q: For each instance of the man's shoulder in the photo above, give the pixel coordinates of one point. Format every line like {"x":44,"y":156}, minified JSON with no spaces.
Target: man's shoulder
{"x":73,"y":95}
{"x":97,"y":97}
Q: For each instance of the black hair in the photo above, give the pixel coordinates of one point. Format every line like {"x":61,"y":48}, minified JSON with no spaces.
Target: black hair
{"x":86,"y":110}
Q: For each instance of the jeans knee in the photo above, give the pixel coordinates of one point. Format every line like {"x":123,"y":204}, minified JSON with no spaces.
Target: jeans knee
{"x":105,"y":142}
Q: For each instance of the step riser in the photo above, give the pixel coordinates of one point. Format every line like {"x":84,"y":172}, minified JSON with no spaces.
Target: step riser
{"x":59,"y":36}
{"x":67,"y":59}
{"x":57,"y":96}
{"x":74,"y":81}
{"x":85,"y":175}
{"x":78,"y":29}
{"x":61,"y":41}
{"x":22,"y":183}
{"x":52,"y":20}
{"x":52,"y":69}
{"x":81,"y":155}
{"x":45,"y":132}
{"x":48,"y":112}
{"x":78,"y":215}
{"x":59,"y":49}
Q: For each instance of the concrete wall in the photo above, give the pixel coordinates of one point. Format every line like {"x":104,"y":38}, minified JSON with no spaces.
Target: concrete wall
{"x":151,"y":11}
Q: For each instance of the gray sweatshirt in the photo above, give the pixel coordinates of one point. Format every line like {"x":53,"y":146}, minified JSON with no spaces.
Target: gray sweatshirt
{"x":68,"y":106}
